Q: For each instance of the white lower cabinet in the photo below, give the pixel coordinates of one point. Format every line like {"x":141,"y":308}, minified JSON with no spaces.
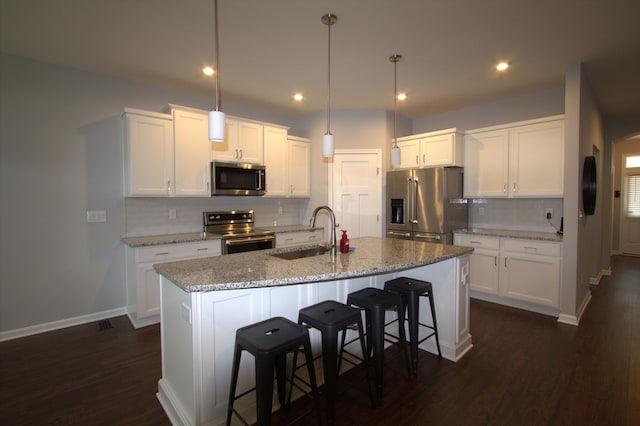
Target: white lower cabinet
{"x":288,"y":239}
{"x":531,"y":271}
{"x":143,"y":288}
{"x":510,"y":270}
{"x":484,"y":262}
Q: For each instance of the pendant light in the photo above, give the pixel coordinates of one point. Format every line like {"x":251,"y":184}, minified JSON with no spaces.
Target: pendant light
{"x":395,"y":150}
{"x":216,"y":117}
{"x":327,"y":140}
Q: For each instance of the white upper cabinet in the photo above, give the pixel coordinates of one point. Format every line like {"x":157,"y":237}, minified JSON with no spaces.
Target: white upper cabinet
{"x":433,"y":149}
{"x":192,"y":152}
{"x":519,"y":160}
{"x":275,"y":161}
{"x":537,"y":160}
{"x":409,"y":153}
{"x":287,"y":161}
{"x":243,"y":144}
{"x":486,"y":170}
{"x":148,"y":153}
{"x":299,"y":167}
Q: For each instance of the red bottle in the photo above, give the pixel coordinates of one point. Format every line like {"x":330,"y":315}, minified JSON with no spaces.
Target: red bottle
{"x":344,"y":243}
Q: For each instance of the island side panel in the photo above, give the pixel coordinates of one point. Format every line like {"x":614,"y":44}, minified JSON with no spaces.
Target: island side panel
{"x":176,"y":389}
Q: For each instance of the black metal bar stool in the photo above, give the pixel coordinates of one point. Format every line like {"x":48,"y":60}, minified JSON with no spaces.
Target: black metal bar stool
{"x":375,"y":302}
{"x":269,"y":342}
{"x":410,"y":290}
{"x":330,"y":317}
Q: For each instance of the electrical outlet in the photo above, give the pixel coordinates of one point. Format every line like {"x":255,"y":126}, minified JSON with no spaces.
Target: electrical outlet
{"x":172,"y":213}
{"x":548,"y":212}
{"x":95,"y":216}
{"x":186,"y":313}
{"x":480,"y":211}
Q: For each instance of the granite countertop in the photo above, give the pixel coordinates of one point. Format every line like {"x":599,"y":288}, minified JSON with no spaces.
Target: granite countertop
{"x":529,"y":235}
{"x":154,"y":240}
{"x":290,"y":228}
{"x":370,"y":256}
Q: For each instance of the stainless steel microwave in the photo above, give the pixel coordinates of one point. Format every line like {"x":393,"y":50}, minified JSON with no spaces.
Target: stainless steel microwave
{"x":237,"y":179}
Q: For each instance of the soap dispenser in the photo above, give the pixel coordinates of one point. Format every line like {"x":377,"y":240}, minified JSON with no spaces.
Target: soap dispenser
{"x":344,"y":243}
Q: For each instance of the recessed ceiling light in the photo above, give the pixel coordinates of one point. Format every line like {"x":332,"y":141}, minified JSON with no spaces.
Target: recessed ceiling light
{"x":298,"y":97}
{"x":402,"y":96}
{"x":207,"y":71}
{"x":503,"y":66}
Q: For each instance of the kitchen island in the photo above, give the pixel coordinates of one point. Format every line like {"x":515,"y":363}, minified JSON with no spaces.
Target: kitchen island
{"x":204,"y":301}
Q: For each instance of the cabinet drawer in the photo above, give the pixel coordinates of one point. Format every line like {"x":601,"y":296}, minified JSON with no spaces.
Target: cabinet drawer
{"x":167,"y":252}
{"x":541,"y":248}
{"x":477,"y":241}
{"x":294,"y":238}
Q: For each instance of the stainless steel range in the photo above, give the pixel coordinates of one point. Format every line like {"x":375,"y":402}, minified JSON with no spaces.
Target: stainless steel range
{"x":236,"y":227}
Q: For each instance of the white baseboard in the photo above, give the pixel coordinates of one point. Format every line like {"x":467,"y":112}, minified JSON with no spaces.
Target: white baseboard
{"x":575,"y":319}
{"x":56,"y":325}
{"x":603,"y":273}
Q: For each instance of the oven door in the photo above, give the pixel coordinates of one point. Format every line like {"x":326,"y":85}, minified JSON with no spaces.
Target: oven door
{"x":242,"y":244}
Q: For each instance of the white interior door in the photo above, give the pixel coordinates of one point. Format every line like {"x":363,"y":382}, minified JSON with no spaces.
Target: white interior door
{"x":356,"y":190}
{"x":630,"y":208}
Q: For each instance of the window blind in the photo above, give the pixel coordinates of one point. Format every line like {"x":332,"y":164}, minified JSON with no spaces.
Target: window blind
{"x":633,"y":195}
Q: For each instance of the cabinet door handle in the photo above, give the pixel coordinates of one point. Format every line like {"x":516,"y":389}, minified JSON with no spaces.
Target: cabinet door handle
{"x":504,"y":188}
{"x":530,"y":248}
{"x":291,"y":189}
{"x":168,"y":186}
{"x":164,"y":253}
{"x":475,"y":242}
{"x":495,"y":260}
{"x":424,"y":159}
{"x":505,"y":262}
{"x":241,"y":154}
{"x":515,"y":187}
{"x":236,"y":156}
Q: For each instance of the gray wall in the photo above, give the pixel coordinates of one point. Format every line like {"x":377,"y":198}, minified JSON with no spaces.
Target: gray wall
{"x":518,"y":108}
{"x":61,"y":155}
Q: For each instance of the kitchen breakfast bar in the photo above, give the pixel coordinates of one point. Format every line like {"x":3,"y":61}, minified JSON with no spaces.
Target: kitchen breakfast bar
{"x":204,"y":301}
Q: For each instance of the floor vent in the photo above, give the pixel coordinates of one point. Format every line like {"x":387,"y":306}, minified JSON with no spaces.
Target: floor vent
{"x":104,"y":324}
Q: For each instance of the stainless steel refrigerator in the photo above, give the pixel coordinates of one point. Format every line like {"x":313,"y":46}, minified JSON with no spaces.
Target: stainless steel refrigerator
{"x":425,"y":204}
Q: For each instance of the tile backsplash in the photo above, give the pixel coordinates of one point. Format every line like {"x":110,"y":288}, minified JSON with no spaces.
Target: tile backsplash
{"x":526,"y":214}
{"x":150,"y":216}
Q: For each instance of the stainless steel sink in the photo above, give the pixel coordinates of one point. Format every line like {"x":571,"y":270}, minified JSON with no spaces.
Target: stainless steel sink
{"x":305,"y":252}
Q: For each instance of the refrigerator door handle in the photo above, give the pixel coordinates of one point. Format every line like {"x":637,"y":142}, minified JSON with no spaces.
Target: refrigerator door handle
{"x":414,"y":204}
{"x":410,"y":200}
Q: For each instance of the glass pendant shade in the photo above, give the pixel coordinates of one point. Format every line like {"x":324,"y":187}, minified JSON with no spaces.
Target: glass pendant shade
{"x":327,"y":145}
{"x":395,"y":156}
{"x":216,"y":116}
{"x":216,"y":126}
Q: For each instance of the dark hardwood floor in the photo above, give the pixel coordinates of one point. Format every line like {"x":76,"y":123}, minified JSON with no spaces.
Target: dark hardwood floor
{"x":524,"y":369}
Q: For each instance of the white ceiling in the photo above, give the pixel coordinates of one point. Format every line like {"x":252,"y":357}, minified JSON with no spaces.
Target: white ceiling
{"x":270,"y":49}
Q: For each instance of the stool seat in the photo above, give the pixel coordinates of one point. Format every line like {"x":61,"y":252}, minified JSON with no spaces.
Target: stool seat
{"x":403,"y":284}
{"x":269,"y":341}
{"x":375,"y":302}
{"x":410,"y":289}
{"x":276,"y":334}
{"x":330,"y":317}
